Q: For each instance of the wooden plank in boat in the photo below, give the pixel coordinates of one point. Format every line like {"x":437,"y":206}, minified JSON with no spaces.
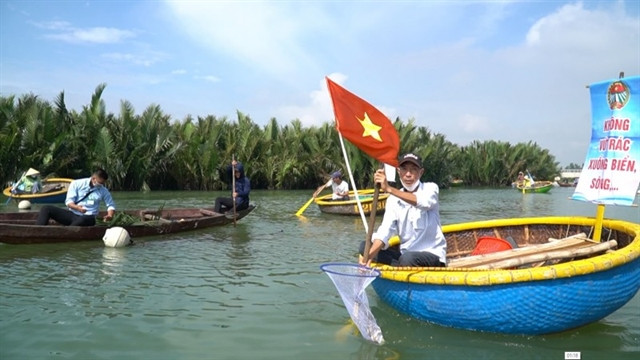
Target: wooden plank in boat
{"x":547,"y":255}
{"x":573,"y":241}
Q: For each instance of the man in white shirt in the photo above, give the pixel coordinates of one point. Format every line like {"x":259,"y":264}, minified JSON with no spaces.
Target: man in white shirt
{"x":412,"y":213}
{"x":340,"y":188}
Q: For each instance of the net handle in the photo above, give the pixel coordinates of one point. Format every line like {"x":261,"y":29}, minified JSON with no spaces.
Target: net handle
{"x":370,"y":272}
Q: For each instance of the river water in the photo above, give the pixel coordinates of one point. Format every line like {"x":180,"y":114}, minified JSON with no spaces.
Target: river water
{"x":255,"y":291}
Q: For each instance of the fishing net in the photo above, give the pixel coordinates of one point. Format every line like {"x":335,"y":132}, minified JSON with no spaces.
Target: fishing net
{"x":351,"y":280}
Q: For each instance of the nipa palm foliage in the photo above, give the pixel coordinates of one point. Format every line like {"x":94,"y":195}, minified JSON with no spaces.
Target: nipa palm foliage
{"x":152,"y":151}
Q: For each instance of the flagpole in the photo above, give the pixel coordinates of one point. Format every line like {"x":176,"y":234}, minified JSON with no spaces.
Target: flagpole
{"x":372,"y":220}
{"x":353,"y":183}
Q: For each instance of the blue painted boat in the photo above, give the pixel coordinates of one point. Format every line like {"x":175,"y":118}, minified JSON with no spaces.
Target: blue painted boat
{"x":54,"y":190}
{"x":549,"y":296}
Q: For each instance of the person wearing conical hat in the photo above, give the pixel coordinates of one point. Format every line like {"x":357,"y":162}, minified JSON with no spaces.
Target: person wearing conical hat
{"x":29,"y":183}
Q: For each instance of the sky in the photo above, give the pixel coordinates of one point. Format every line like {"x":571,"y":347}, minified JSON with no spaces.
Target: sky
{"x":511,"y":71}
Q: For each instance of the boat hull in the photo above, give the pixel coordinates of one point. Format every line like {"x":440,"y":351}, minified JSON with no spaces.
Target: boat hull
{"x":52,"y":197}
{"x":542,"y":187}
{"x":350,"y":207}
{"x":521,"y":308}
{"x":531,"y":301}
{"x":20,"y":228}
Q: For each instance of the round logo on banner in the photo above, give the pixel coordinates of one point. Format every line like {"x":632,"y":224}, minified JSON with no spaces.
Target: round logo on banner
{"x":617,"y":95}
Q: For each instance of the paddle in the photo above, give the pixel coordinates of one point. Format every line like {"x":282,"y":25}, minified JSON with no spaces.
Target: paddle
{"x":13,"y":186}
{"x":304,"y":207}
{"x":531,"y":177}
{"x":233,"y":187}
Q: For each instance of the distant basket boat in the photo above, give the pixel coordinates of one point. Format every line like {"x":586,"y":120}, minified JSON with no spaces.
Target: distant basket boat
{"x":566,"y":183}
{"x":456,"y":182}
{"x":54,"y":190}
{"x":537,"y":187}
{"x":559,"y":285}
{"x":350,"y":207}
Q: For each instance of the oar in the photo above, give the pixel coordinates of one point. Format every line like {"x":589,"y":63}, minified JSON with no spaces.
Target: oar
{"x":9,"y":199}
{"x":531,"y":177}
{"x":233,"y":187}
{"x":304,"y":207}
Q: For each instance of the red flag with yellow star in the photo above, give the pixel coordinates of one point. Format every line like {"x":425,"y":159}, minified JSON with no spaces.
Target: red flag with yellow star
{"x":364,"y":125}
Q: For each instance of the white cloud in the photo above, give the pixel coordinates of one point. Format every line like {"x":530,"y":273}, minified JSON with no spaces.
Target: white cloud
{"x":143,"y":60}
{"x":262,"y":35}
{"x":531,"y":91}
{"x":98,"y":35}
{"x":319,"y":109}
{"x":179,"y":72}
{"x":52,"y":25}
{"x":210,"y":78}
{"x":473,"y":124}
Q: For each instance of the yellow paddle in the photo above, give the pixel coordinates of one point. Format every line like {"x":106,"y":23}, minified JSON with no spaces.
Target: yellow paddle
{"x":304,"y":207}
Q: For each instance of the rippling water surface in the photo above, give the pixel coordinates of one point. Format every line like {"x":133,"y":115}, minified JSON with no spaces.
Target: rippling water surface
{"x":256,"y":291}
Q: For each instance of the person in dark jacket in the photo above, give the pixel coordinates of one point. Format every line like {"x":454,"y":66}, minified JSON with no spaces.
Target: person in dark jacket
{"x":240,"y":193}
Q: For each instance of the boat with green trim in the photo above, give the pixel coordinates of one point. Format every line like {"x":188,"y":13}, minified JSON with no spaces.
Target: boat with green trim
{"x":536,"y":187}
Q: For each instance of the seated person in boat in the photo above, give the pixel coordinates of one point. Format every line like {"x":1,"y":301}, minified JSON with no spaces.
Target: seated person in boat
{"x":520,"y":180}
{"x":339,"y":187}
{"x":29,"y":183}
{"x":412,"y":213}
{"x":240,"y":193}
{"x":83,"y":202}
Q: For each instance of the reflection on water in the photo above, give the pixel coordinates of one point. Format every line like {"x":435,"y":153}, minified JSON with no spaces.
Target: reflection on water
{"x":209,"y":293}
{"x":113,"y":260}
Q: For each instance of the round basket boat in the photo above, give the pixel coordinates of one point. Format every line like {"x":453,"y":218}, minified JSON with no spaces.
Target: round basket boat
{"x":54,"y":190}
{"x":559,"y":289}
{"x":350,"y":207}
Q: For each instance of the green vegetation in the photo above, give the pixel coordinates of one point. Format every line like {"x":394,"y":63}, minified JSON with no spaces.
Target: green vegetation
{"x":150,"y":151}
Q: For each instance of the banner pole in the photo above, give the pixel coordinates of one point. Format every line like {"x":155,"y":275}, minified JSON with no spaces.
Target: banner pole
{"x":597,"y":233}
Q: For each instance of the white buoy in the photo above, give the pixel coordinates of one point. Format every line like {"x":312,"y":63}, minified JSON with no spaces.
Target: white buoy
{"x":24,"y":205}
{"x":116,"y":237}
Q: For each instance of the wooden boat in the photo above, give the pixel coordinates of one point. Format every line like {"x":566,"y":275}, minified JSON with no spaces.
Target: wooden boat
{"x":530,"y":290}
{"x":350,"y":207}
{"x":54,"y":190}
{"x":566,"y":184}
{"x":537,"y":187}
{"x":20,"y":228}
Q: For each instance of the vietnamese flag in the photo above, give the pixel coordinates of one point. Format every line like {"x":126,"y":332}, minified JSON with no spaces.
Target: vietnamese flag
{"x":364,"y":125}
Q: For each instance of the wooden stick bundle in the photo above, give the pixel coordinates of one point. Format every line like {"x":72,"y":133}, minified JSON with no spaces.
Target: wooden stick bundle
{"x":574,"y":241}
{"x":550,"y":255}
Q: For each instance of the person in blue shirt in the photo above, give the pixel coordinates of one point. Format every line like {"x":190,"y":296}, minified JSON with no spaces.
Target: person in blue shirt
{"x":240,"y":193}
{"x":83,"y":202}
